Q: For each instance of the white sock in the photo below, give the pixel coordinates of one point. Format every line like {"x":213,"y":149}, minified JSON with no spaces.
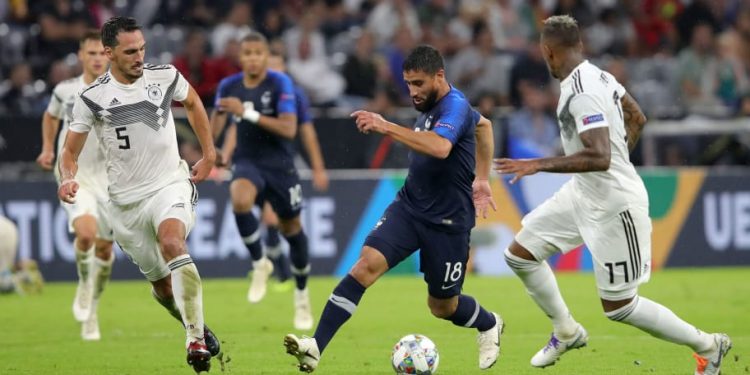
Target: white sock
{"x":542,"y":286}
{"x":83,"y":261}
{"x":188,"y":295}
{"x":662,"y":323}
{"x":101,"y":270}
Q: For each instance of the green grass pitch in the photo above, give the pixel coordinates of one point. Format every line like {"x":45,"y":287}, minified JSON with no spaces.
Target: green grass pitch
{"x":138,"y":337}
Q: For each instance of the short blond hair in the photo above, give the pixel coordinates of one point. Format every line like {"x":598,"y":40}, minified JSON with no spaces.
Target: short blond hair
{"x":563,"y":29}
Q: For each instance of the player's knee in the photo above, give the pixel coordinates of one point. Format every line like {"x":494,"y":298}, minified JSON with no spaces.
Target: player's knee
{"x":163,"y":288}
{"x":242,"y":204}
{"x":442,"y":308}
{"x":290,"y":227}
{"x":518,"y":260}
{"x":85,"y":239}
{"x":172,"y":246}
{"x":619,"y":309}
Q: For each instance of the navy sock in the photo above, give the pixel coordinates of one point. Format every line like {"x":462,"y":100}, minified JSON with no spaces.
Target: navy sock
{"x":247,"y":225}
{"x":281,"y":267}
{"x":339,"y":308}
{"x":300,"y":258}
{"x":272,"y":236}
{"x":470,"y":314}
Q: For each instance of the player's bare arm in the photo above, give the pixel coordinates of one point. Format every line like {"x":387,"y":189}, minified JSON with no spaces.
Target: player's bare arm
{"x":50,"y":125}
{"x":481,"y":191}
{"x":428,"y":143}
{"x":634,"y":120}
{"x":198,"y":119}
{"x":594,"y":157}
{"x":227,"y":149}
{"x":285,"y":125}
{"x":312,"y":146}
{"x":218,"y":121}
{"x":74,"y":142}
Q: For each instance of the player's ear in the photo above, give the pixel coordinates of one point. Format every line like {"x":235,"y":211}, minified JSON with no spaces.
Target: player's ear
{"x":109,"y":51}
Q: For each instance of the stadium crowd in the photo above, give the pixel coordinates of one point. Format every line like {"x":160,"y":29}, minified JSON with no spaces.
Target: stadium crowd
{"x":679,"y":58}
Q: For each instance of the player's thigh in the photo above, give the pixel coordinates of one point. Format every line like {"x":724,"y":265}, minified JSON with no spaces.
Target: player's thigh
{"x":394,"y":235}
{"x":176,"y":201}
{"x":552,"y":227}
{"x":103,"y":220}
{"x":134,"y":233}
{"x":621,"y":250}
{"x":269,"y":215}
{"x":246,"y":188}
{"x":85,"y":208}
{"x":443,"y":259}
{"x":284,"y":192}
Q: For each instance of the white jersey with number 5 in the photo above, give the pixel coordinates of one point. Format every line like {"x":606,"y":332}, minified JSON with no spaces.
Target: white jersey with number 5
{"x":135,"y":126}
{"x":91,"y":171}
{"x":590,"y":98}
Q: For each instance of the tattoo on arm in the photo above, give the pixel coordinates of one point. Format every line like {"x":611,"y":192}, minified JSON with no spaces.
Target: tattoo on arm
{"x":634,"y":120}
{"x":595,"y":155}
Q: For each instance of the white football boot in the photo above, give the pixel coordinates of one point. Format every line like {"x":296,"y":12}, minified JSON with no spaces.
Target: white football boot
{"x":489,"y":343}
{"x":711,"y":364}
{"x":306,"y":351}
{"x":555,"y":348}
{"x":90,"y":328}
{"x":83,"y":300}
{"x":262,"y":270}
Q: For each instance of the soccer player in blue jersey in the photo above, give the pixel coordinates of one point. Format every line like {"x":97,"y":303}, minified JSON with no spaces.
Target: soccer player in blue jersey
{"x":451,"y":152}
{"x":262,"y":106}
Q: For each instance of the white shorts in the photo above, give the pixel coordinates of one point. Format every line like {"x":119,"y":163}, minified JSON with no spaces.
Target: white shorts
{"x":89,"y":202}
{"x":136,"y":225}
{"x":620,"y":243}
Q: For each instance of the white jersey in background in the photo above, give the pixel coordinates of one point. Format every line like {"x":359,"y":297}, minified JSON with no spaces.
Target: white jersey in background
{"x":590,"y":98}
{"x":135,"y":126}
{"x":92,"y":173}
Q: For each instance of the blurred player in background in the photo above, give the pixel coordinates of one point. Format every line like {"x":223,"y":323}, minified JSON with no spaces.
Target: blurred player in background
{"x":310,"y":142}
{"x":151,"y":191}
{"x":262,"y":105}
{"x":604,"y":205}
{"x":433,"y":212}
{"x":88,"y":217}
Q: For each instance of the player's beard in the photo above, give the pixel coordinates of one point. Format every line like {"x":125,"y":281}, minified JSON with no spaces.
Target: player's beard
{"x":427,"y":103}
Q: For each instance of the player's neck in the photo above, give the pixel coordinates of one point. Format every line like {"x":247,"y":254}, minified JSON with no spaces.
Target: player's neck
{"x":120,"y":77}
{"x":443,"y":90}
{"x":88,"y":77}
{"x":251,"y":82}
{"x":569,"y":65}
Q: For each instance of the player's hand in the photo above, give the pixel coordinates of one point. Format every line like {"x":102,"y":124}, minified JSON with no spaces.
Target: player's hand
{"x":232,"y":105}
{"x":369,"y":121}
{"x":320,"y":180}
{"x":67,"y":191}
{"x":201,"y":169}
{"x":482,"y":196}
{"x":45,"y":160}
{"x":519,"y":167}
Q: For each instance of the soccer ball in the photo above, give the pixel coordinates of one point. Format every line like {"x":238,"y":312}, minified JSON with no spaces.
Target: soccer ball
{"x":415,"y":354}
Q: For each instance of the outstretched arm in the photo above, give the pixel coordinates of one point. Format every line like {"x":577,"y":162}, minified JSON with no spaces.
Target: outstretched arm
{"x":198,"y":119}
{"x":50,"y":124}
{"x":595,"y":156}
{"x":481,"y":191}
{"x":634,"y":119}
{"x":312,"y":146}
{"x":427,"y":142}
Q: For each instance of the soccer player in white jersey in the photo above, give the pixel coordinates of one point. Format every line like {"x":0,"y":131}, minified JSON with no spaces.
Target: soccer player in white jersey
{"x":604,"y":205}
{"x":87,"y":217}
{"x":151,"y":190}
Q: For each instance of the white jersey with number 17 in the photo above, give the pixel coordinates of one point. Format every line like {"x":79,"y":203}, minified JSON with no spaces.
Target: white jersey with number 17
{"x":134,"y":124}
{"x":591,"y":98}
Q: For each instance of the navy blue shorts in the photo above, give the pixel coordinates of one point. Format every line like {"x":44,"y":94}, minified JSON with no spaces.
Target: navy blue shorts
{"x":280,"y":187}
{"x":443,"y":255}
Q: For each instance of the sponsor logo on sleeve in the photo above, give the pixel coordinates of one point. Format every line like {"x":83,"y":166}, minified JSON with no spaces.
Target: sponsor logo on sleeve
{"x":593,"y":118}
{"x":444,"y":125}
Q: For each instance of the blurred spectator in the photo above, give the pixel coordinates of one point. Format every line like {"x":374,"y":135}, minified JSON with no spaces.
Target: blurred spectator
{"x":461,"y":28}
{"x":359,"y":70}
{"x":528,"y":70}
{"x":510,"y":22}
{"x":390,"y":17}
{"x":308,"y":62}
{"x":611,"y":34}
{"x":62,"y":23}
{"x":16,"y":12}
{"x":435,"y":14}
{"x":481,"y":69}
{"x":100,"y":11}
{"x":698,"y":12}
{"x":226,"y":64}
{"x":653,"y":23}
{"x":234,"y":27}
{"x":395,"y":54}
{"x":486,"y":107}
{"x":273,"y":24}
{"x":732,"y":74}
{"x":578,"y":9}
{"x":195,"y":66}
{"x":533,"y":132}
{"x":17,"y":94}
{"x":336,"y":19}
{"x":698,"y":72}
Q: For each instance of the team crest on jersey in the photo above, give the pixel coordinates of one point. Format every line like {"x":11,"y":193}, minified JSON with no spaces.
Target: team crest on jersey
{"x":265,"y":101}
{"x":428,"y":122}
{"x":380,"y":222}
{"x":154,"y":92}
